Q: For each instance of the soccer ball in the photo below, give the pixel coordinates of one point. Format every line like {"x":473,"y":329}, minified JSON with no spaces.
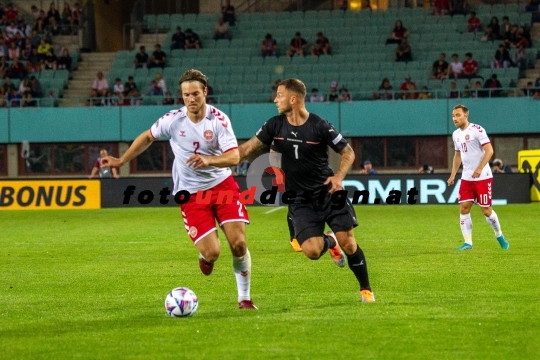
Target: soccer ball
{"x":181,"y":302}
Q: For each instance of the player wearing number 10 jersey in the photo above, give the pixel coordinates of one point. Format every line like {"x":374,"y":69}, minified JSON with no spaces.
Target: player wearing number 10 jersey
{"x":204,"y":148}
{"x":474,"y":150}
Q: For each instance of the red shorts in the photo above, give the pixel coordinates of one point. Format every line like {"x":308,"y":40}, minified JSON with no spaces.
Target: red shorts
{"x":476,"y":191}
{"x":200,"y":219}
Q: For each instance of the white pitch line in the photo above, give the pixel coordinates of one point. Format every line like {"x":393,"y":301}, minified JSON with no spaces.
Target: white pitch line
{"x":275,"y":209}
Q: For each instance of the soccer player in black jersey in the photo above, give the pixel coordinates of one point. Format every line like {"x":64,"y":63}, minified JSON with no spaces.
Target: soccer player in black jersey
{"x":303,"y":138}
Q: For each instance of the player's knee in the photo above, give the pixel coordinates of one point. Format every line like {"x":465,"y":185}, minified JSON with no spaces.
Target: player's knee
{"x":349,"y":246}
{"x":238,"y":248}
{"x":311,"y":253}
{"x":211,"y":255}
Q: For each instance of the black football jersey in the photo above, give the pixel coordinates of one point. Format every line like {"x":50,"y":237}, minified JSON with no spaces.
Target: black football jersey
{"x":304,"y":150}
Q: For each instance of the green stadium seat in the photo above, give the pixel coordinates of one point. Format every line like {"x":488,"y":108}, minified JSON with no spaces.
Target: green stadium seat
{"x":149,"y":22}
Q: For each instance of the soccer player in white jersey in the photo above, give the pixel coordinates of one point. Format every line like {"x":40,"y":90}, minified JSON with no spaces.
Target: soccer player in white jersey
{"x":204,"y":147}
{"x":474,"y":150}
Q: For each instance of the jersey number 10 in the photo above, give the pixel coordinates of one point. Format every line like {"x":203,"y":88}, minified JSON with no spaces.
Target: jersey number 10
{"x":464,"y":147}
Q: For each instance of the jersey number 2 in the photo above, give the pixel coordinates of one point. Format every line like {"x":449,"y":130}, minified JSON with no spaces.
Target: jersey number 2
{"x":196,"y":144}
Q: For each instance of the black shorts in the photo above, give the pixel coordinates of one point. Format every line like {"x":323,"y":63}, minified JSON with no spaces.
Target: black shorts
{"x":309,"y":219}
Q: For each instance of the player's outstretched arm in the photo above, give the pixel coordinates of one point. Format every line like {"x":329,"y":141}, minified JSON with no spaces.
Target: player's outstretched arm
{"x":249,"y":146}
{"x":141,"y":143}
{"x":455,"y":166}
{"x":347,"y":159}
{"x":230,"y":158}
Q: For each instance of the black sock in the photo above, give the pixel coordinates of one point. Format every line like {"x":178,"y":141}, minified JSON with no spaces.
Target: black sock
{"x":357,"y":264}
{"x":328,"y":242}
{"x":291,"y":226}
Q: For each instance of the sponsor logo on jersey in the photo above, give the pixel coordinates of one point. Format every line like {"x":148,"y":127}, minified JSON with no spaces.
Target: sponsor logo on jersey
{"x":294,"y":133}
{"x":182,"y":133}
{"x":208,"y":135}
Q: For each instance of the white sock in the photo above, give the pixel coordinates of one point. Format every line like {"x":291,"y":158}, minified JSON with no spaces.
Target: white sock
{"x":466,"y":227}
{"x":242,"y":272}
{"x":493,"y":221}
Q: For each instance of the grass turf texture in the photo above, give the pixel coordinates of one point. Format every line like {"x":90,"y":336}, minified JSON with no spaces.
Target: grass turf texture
{"x":91,"y":284}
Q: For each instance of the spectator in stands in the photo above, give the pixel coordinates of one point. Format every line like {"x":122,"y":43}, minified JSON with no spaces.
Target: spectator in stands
{"x":268,"y":46}
{"x":118,"y":90}
{"x":11,"y":30}
{"x":426,"y":169}
{"x":14,"y":98}
{"x":332,"y":93}
{"x":17,"y":70}
{"x":501,"y":59}
{"x":439,"y":70}
{"x":192,"y":40}
{"x":50,"y":61}
{"x":221,"y":30}
{"x":511,"y":38}
{"x":158,"y":58}
{"x":157,"y":86}
{"x":492,"y":31}
{"x":398,"y":33}
{"x":100,"y":85}
{"x":523,"y":38}
{"x":25,"y":89}
{"x":34,"y":62}
{"x":493,"y":84}
{"x":531,"y":91}
{"x":321,"y":45}
{"x":315,"y":96}
{"x":476,"y":91}
{"x":66,"y":19}
{"x":440,"y":7}
{"x":297,"y":46}
{"x":26,"y":50}
{"x":537,"y":82}
{"x":4,"y":49}
{"x":458,"y":7}
{"x":385,"y":91}
{"x":424,"y":94}
{"x":505,"y":27}
{"x":103,"y":172}
{"x":10,"y":13}
{"x":53,"y":13}
{"x":178,"y":39}
{"x":3,"y":66}
{"x":141,"y":59}
{"x":8,"y":85}
{"x":403,"y":51}
{"x":343,"y":5}
{"x":466,"y":92}
{"x":14,"y":51}
{"x":473,"y":23}
{"x":470,"y":67}
{"x":367,"y":168}
{"x":519,"y":59}
{"x":168,"y":99}
{"x":228,"y":13}
{"x":408,"y":89}
{"x":43,"y":48}
{"x":456,"y":68}
{"x":274,"y":85}
{"x":41,"y":22}
{"x":131,"y":93}
{"x":53,"y":28}
{"x":35,"y":39}
{"x":453,"y":93}
{"x":24,"y":29}
{"x":93,"y":99}
{"x":64,"y":61}
{"x":498,"y":167}
{"x":344,"y":95}
{"x":3,"y":97}
{"x":76,"y":14}
{"x":37,"y":91}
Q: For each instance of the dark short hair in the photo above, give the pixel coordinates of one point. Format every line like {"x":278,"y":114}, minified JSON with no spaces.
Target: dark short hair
{"x":297,"y":33}
{"x":142,"y":47}
{"x":319,"y":34}
{"x":194,"y":75}
{"x":462,"y":107}
{"x":268,"y":36}
{"x":469,"y":54}
{"x":295,"y":86}
{"x":130,"y":77}
{"x":454,"y":55}
{"x":117,"y":79}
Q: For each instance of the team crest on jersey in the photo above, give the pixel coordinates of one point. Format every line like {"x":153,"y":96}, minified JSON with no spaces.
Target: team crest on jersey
{"x":467,"y":137}
{"x":192,"y":231}
{"x":208,"y":135}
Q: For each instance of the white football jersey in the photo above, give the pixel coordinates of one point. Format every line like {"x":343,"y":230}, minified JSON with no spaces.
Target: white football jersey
{"x":212,"y":136}
{"x":470,"y":143}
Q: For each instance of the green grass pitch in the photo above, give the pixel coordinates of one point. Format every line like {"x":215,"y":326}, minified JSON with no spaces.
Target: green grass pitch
{"x":91,"y":285}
